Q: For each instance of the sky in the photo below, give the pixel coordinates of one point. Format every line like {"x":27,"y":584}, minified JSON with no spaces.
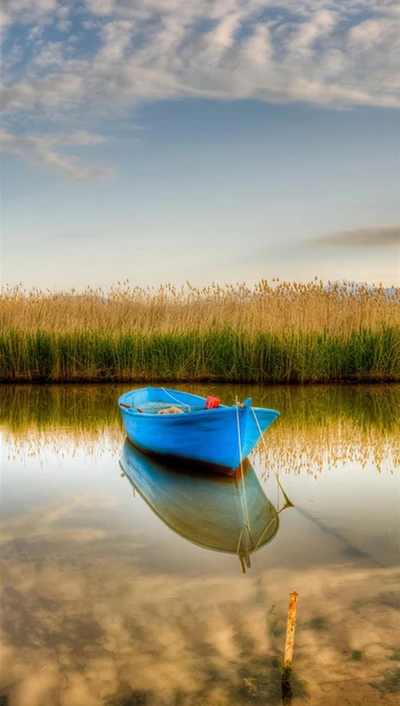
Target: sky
{"x":165,"y":140}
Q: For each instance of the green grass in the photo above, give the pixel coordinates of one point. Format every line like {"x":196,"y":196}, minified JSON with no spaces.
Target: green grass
{"x":357,"y":655}
{"x":395,"y":656}
{"x":219,"y":355}
{"x":390,"y":684}
{"x":316,"y":623}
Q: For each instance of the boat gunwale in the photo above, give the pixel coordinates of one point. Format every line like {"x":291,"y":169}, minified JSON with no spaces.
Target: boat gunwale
{"x":174,"y":415}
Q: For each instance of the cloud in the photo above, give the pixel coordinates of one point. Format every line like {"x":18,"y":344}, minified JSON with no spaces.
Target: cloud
{"x":379,"y":236}
{"x":104,"y":56}
{"x":42,"y":151}
{"x":148,"y":49}
{"x":320,"y":24}
{"x":28,"y":11}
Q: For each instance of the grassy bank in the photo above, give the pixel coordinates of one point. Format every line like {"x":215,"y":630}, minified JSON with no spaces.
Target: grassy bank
{"x":224,"y":355}
{"x":287,"y":333}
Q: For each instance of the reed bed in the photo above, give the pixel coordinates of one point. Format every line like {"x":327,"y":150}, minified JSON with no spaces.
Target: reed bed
{"x":283,"y":332}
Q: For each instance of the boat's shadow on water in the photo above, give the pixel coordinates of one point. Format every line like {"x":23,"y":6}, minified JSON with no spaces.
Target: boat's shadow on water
{"x":217,"y":512}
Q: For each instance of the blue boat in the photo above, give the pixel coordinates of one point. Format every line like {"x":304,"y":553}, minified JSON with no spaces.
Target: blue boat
{"x":209,"y":510}
{"x":221,"y":437}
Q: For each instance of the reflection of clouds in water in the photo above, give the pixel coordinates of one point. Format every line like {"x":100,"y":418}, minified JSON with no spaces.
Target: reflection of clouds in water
{"x":80,"y":621}
{"x":48,"y":523}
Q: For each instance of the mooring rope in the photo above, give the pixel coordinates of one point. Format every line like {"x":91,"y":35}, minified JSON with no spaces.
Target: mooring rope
{"x":266,"y":455}
{"x":240,"y":539}
{"x":185,"y":404}
{"x":274,"y":519}
{"x":241,"y":467}
{"x":265,"y":530}
{"x":244,"y":557}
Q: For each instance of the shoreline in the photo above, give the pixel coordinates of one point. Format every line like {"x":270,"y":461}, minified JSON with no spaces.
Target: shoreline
{"x":147,"y":382}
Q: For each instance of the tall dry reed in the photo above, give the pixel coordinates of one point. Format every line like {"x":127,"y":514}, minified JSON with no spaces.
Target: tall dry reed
{"x":336,"y":309}
{"x":283,"y":332}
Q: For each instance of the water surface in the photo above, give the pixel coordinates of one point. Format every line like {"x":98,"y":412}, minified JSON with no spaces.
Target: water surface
{"x":125,"y":582}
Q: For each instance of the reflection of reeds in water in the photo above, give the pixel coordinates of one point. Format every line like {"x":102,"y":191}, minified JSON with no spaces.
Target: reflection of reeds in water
{"x":287,"y":332}
{"x":94,"y":407}
{"x":331,"y":446}
{"x":318,"y":426}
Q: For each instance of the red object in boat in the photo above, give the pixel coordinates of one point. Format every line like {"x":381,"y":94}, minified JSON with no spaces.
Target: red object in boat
{"x":212,"y":402}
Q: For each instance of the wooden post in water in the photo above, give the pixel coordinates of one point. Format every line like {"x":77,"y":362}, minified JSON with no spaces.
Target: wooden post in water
{"x":289,"y":644}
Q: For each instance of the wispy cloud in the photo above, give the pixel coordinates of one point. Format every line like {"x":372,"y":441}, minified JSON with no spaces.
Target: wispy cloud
{"x":42,"y":151}
{"x":112,"y":54}
{"x":378,"y":236}
{"x":146,"y":49}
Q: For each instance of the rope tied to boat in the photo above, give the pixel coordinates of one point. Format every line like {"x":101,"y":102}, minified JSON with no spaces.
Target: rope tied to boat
{"x":241,"y":466}
{"x":288,"y":502}
{"x":185,"y":404}
{"x":244,"y":554}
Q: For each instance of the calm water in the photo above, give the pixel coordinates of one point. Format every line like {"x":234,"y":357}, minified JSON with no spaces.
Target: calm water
{"x":127,"y":583}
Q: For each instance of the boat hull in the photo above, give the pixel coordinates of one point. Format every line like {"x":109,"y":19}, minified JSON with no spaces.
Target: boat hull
{"x":182,"y":462}
{"x":219,"y":437}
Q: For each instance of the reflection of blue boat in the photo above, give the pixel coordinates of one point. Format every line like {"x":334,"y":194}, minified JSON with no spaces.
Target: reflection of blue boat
{"x":221,"y":437}
{"x":216,"y":512}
